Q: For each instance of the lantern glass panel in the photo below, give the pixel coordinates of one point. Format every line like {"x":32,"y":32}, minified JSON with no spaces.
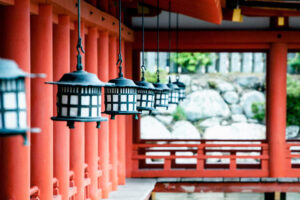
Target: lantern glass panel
{"x":84,"y":112}
{"x":10,"y":119}
{"x":22,"y":120}
{"x":10,"y":101}
{"x":85,"y":100}
{"x":73,"y":112}
{"x":74,"y":100}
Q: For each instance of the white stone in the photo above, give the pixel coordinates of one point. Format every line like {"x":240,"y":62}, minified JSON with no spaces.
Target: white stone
{"x":184,"y":130}
{"x":204,"y":104}
{"x":292,"y":131}
{"x":214,"y":121}
{"x":248,"y":99}
{"x":239,"y":118}
{"x":248,"y":81}
{"x":151,"y":128}
{"x":231,"y":97}
{"x":165,"y":119}
{"x":221,"y":85}
{"x":236,"y":131}
{"x":236,"y":109}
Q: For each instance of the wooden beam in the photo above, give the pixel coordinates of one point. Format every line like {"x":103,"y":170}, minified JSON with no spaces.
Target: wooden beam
{"x":208,"y":10}
{"x":7,"y":2}
{"x":217,"y":40}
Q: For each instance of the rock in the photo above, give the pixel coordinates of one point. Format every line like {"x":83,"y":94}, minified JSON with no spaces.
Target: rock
{"x":204,"y":104}
{"x":231,"y":97}
{"x":220,"y":85}
{"x":238,"y":118}
{"x":236,"y":109}
{"x":165,"y":119}
{"x":164,"y":111}
{"x":224,"y":123}
{"x":151,"y":128}
{"x":236,"y":131}
{"x":214,"y":121}
{"x":292,"y":131}
{"x":248,"y":99}
{"x":250,"y":82}
{"x":185,"y":130}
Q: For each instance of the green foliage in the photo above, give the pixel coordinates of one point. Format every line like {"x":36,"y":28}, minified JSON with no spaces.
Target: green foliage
{"x":293,"y":104}
{"x":293,"y":101}
{"x":179,"y":114}
{"x":192,"y":61}
{"x":259,"y":110}
{"x":151,"y":77}
{"x":295,"y":62}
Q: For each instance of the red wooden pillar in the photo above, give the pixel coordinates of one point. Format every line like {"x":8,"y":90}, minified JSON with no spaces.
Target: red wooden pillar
{"x":103,"y":5}
{"x":42,"y":102}
{"x":128,"y":139}
{"x":103,"y":136}
{"x":113,"y":126}
{"x":77,"y":134}
{"x":15,"y":44}
{"x":61,"y":133}
{"x":276,"y":108}
{"x":122,"y":135}
{"x":91,"y":132}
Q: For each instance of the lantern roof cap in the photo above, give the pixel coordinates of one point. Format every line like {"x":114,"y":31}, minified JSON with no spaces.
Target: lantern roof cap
{"x":9,"y":69}
{"x":161,"y":86}
{"x":145,"y":85}
{"x":80,"y":78}
{"x":171,"y":85}
{"x":179,"y":84}
{"x":122,"y":82}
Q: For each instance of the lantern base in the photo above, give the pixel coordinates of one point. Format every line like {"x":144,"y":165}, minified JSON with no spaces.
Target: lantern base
{"x":176,"y":103}
{"x":150,"y":109}
{"x":114,"y":113}
{"x":71,"y":121}
{"x":161,"y":106}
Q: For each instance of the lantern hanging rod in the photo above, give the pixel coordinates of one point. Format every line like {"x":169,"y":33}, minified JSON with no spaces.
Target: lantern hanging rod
{"x":120,"y":60}
{"x":169,"y":34}
{"x":143,"y":45}
{"x":177,"y":39}
{"x":79,"y":42}
{"x":157,"y":58}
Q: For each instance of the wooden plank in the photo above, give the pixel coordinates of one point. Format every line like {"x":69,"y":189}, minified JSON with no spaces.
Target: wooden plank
{"x":7,"y":2}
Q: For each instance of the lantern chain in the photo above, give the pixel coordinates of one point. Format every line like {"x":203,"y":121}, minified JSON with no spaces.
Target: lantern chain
{"x":177,"y":39}
{"x":157,"y":59}
{"x":143,"y":45}
{"x":169,"y":35}
{"x":120,"y":60}
{"x":79,"y":42}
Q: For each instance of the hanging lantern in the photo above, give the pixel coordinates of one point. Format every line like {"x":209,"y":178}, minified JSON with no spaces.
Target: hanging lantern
{"x":79,"y":93}
{"x":13,"y":114}
{"x":181,"y":85}
{"x":145,"y":92}
{"x":121,"y":97}
{"x":162,"y":90}
{"x":174,"y":89}
{"x":173,"y":93}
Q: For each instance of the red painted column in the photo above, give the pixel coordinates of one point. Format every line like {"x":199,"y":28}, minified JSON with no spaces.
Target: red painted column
{"x":128,"y":139}
{"x":122,"y":135}
{"x":77,"y":134}
{"x":103,"y":136}
{"x":103,"y":5}
{"x":276,"y":108}
{"x":61,"y":133}
{"x":91,"y":132}
{"x":42,"y":102}
{"x":113,"y":126}
{"x":15,"y":157}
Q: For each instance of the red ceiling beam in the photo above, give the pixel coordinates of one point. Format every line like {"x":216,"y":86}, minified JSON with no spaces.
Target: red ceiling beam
{"x":217,"y":40}
{"x":208,"y":10}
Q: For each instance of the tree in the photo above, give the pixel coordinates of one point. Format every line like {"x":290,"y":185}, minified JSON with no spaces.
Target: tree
{"x":192,"y":61}
{"x":295,"y":63}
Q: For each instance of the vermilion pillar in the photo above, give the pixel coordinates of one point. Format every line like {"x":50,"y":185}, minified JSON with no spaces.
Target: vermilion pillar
{"x":128,"y":141}
{"x":113,"y":126}
{"x":103,"y":5}
{"x":91,"y":132}
{"x":61,"y":133}
{"x":77,"y":134}
{"x":103,"y":136}
{"x":42,"y":102}
{"x":276,"y":108}
{"x":121,"y":135}
{"x":15,"y":44}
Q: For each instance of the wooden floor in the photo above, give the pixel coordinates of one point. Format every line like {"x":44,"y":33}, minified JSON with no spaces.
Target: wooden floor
{"x":134,"y":189}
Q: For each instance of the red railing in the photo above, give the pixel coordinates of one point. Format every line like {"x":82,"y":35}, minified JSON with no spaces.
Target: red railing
{"x":293,"y":157}
{"x":200,"y":158}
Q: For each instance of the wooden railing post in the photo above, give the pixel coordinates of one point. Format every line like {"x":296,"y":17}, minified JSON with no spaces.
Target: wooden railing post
{"x":200,"y":158}
{"x":232,"y":161}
